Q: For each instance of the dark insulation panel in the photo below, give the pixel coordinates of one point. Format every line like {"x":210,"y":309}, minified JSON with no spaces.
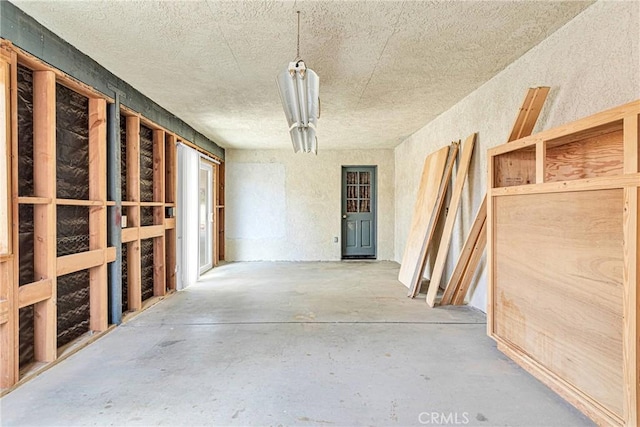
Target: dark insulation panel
{"x":146,"y":164}
{"x":146,"y":216}
{"x":123,"y":156}
{"x":146,"y":255}
{"x":73,"y":229}
{"x":73,"y":306}
{"x":125,"y":279}
{"x":72,"y":144}
{"x":26,"y":337}
{"x":25,"y":244}
{"x":25,"y":131}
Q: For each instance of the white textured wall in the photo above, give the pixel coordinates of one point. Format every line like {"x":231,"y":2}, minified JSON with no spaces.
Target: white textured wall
{"x":591,"y":64}
{"x":286,"y":206}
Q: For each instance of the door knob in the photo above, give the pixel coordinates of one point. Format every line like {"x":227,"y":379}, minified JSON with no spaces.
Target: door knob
{"x":344,"y":216}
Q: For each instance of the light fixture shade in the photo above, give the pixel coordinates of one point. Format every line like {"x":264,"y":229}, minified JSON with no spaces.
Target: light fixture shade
{"x":299,"y":89}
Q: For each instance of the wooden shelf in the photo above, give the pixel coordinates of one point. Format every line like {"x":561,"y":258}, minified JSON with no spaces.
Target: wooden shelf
{"x":69,"y":202}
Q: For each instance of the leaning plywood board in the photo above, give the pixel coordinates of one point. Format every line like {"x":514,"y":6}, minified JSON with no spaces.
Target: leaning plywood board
{"x":414,"y":250}
{"x":454,"y":204}
{"x":435,"y":215}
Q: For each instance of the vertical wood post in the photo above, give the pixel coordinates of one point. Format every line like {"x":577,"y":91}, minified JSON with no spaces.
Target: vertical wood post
{"x":170,"y":198}
{"x":8,"y":211}
{"x":134,"y":272}
{"x":98,"y":214}
{"x":159,"y":275}
{"x":631,"y":274}
{"x":44,"y":177}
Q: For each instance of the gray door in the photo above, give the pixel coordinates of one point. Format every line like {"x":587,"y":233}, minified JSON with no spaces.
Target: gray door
{"x":359,"y":212}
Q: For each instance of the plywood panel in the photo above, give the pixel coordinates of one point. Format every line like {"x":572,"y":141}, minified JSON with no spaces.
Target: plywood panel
{"x":598,"y":156}
{"x":558,"y":274}
{"x":515,"y":168}
{"x":415,"y":248}
{"x":454,"y":204}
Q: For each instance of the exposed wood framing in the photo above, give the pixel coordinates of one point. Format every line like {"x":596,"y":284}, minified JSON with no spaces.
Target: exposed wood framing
{"x":454,"y":204}
{"x":547,"y":278}
{"x":41,"y":294}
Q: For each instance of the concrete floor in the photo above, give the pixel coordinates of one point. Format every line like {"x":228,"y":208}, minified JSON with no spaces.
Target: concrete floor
{"x":282,"y":344}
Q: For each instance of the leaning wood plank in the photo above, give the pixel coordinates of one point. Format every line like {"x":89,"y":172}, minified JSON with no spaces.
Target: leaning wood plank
{"x":522,"y":127}
{"x":472,"y":266}
{"x":44,"y":221}
{"x":432,"y":173}
{"x":529,"y":112}
{"x":466,"y":253}
{"x":454,"y":204}
{"x":437,"y":213}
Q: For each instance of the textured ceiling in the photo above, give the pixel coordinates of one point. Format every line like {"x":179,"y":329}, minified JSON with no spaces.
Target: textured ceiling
{"x":386,"y":68}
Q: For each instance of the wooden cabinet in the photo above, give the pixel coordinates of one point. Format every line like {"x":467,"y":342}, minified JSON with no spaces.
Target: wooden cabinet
{"x":563,"y":236}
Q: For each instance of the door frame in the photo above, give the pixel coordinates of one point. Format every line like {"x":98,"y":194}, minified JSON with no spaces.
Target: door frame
{"x":210,"y":166}
{"x":374,"y":205}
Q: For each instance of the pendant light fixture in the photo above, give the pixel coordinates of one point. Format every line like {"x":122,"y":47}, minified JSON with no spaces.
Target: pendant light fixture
{"x":299,"y":89}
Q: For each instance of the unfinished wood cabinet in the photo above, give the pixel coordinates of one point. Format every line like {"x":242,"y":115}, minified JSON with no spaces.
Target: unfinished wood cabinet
{"x":563,"y":235}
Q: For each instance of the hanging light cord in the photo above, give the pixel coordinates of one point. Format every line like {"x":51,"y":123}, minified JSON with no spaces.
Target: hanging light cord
{"x":298,"y":51}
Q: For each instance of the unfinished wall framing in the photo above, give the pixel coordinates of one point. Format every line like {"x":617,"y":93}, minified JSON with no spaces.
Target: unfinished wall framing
{"x":563,"y":235}
{"x":53,"y":182}
{"x":54,"y":282}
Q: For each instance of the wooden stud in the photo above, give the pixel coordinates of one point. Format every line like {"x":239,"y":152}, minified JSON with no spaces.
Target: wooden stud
{"x":98,"y":292}
{"x":5,"y":151}
{"x":454,"y":205}
{"x":468,"y":249}
{"x":134,"y":276}
{"x":134,"y":273}
{"x":170,"y":168}
{"x":541,"y":162}
{"x":8,"y":229}
{"x":159,"y":275}
{"x":44,"y":177}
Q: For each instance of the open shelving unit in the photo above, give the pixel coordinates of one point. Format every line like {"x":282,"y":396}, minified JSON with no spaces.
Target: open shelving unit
{"x":563,"y":235}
